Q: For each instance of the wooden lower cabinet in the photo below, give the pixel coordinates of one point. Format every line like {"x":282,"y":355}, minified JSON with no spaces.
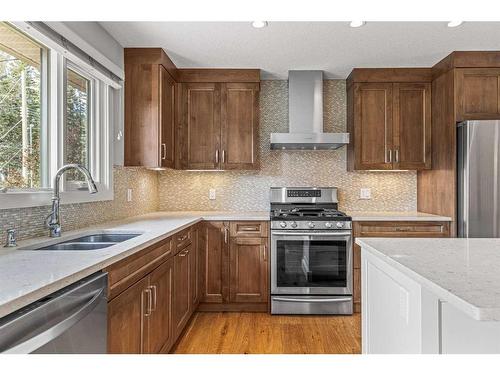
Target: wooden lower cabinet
{"x":160,"y":333}
{"x":181,"y":310}
{"x":248,"y":270}
{"x":235,"y":266}
{"x":127,"y":324}
{"x":398,"y":229}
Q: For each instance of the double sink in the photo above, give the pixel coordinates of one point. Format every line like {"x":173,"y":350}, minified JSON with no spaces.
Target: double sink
{"x":94,"y":241}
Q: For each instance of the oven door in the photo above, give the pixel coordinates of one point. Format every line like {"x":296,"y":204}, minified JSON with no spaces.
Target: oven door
{"x":311,"y":262}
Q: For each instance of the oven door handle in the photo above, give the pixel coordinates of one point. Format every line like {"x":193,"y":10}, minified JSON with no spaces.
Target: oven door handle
{"x":313,"y":300}
{"x":313,"y":234}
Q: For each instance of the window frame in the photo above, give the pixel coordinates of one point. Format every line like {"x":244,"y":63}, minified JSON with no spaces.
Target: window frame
{"x":53,"y":123}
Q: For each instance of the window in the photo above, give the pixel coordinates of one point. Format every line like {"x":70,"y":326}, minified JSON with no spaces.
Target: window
{"x":56,"y":107}
{"x":21,"y":61}
{"x":77,"y":124}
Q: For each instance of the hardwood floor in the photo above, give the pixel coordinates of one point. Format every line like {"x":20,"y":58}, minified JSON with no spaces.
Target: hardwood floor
{"x":262,"y":333}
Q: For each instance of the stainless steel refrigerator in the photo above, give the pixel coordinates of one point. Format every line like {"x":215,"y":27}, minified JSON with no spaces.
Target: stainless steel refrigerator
{"x":478,"y":175}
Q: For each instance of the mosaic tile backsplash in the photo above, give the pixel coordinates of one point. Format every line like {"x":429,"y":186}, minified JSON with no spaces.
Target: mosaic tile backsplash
{"x":249,"y":190}
{"x":29,"y":222}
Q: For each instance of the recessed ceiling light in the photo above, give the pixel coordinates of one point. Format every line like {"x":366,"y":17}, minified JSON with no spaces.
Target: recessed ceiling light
{"x":455,"y":23}
{"x":357,"y":23}
{"x":259,"y":24}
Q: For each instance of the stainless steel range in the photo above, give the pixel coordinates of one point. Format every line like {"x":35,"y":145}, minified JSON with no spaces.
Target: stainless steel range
{"x":311,"y":252}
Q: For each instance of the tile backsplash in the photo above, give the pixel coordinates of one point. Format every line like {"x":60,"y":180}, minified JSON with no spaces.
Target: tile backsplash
{"x":29,"y":222}
{"x":249,"y":190}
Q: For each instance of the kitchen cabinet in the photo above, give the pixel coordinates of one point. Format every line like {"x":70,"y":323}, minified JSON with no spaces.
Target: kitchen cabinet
{"x":181,"y":309}
{"x":389,"y":124}
{"x":248,"y":269}
{"x":215,"y":269}
{"x":413,"y":229}
{"x":149,"y":109}
{"x":235,"y":266}
{"x":219,"y":125}
{"x":139,"y":319}
{"x":477,"y":93}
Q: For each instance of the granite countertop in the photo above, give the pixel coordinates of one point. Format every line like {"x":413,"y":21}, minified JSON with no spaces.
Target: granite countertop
{"x":28,"y":275}
{"x":463,"y":272}
{"x":395,"y":216}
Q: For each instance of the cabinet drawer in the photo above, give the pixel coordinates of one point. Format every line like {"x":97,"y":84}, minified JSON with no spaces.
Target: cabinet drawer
{"x":249,"y":228}
{"x":182,"y":239}
{"x":402,"y":229}
{"x":130,"y":270}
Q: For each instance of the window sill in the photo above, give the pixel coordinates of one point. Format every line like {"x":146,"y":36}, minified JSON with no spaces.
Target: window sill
{"x":43,"y":197}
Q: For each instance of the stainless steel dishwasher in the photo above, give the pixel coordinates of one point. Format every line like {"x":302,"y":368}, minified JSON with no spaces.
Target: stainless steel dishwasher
{"x":71,"y":320}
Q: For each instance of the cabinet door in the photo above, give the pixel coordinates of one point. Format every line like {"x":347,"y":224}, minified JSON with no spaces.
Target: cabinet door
{"x":478,"y":94}
{"x":160,"y":320}
{"x":412,"y":125}
{"x":216,"y":265}
{"x":127,"y":320}
{"x":194,"y":265}
{"x":248,"y":270}
{"x":167,"y":118}
{"x":373,"y":125}
{"x":240,"y":125}
{"x":201,"y":125}
{"x":181,"y":298}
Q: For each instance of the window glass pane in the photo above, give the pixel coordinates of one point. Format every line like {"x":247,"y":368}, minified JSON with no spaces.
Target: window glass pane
{"x":77,"y":121}
{"x":20,"y":108}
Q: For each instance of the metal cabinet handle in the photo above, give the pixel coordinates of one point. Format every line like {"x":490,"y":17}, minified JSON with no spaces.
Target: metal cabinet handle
{"x":223,"y":156}
{"x":225,"y":234}
{"x":311,"y":300}
{"x":153,"y":289}
{"x":163,"y":151}
{"x":388,"y":159}
{"x":182,"y":238}
{"x":183,"y":253}
{"x":150,"y":301}
{"x":249,"y":229}
{"x":396,"y":156}
{"x":265,"y":253}
{"x":216,"y":156}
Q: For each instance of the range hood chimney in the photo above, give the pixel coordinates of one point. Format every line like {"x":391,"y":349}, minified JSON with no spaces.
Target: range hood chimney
{"x":305,"y":114}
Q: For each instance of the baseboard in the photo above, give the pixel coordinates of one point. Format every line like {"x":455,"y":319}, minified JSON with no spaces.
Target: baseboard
{"x":234,"y":307}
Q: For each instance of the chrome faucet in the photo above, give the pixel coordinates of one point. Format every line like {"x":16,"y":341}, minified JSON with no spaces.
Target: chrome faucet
{"x":3,"y":188}
{"x":53,"y":220}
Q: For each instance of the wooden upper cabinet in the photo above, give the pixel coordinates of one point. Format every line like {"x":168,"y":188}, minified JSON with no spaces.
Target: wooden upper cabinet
{"x":389,"y":122}
{"x":373,"y":125}
{"x":149,"y":109}
{"x":240,"y":125}
{"x":477,"y":93}
{"x":412,"y":126}
{"x":248,"y":270}
{"x":167,"y":119}
{"x":201,"y":125}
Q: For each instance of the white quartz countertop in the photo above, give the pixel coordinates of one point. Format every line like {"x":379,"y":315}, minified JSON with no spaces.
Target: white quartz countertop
{"x":28,"y":275}
{"x":395,"y":216}
{"x":463,"y":272}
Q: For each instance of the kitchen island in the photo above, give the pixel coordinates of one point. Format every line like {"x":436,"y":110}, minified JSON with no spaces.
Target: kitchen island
{"x":430,"y":295}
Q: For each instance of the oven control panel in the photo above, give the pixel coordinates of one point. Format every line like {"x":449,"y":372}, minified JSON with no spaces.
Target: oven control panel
{"x":311,"y":225}
{"x":304,"y":193}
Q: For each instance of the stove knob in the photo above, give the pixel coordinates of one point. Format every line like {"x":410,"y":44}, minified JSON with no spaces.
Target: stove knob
{"x":339,"y":224}
{"x":311,"y":224}
{"x":282,"y":224}
{"x":294,"y":224}
{"x":328,"y":225}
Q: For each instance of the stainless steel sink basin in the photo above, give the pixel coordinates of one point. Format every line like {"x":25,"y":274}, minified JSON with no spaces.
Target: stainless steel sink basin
{"x":91,"y":242}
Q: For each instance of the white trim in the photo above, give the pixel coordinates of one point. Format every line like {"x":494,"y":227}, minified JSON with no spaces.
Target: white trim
{"x":42,"y":38}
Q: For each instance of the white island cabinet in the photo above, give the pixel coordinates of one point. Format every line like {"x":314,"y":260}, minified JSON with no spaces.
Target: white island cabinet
{"x":430,"y":295}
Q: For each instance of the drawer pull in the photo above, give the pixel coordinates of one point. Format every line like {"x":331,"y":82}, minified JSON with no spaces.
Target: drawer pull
{"x":249,"y":229}
{"x":182,"y":238}
{"x":183,"y":253}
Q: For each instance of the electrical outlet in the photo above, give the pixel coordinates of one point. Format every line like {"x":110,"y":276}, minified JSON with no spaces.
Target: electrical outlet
{"x":211,"y":194}
{"x":365,"y":193}
{"x":129,"y":195}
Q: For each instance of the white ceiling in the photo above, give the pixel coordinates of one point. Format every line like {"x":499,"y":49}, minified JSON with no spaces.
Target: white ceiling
{"x":333,"y":47}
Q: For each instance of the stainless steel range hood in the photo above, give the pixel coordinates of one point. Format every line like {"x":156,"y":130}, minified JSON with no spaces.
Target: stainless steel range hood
{"x":305,"y":113}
